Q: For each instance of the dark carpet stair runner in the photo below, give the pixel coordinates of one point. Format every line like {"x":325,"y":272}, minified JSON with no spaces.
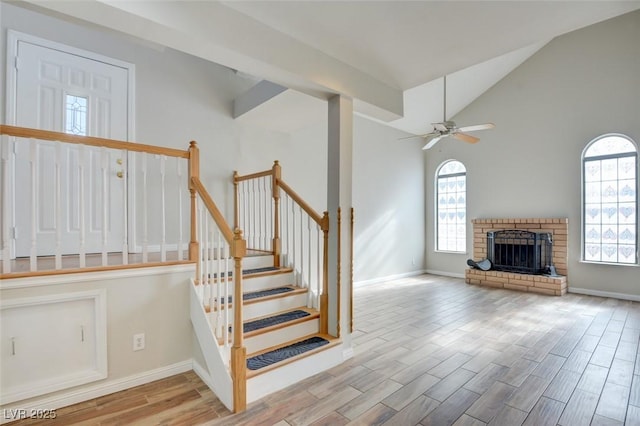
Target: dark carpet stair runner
{"x":248,"y":271}
{"x":274,"y":320}
{"x":268,"y":358}
{"x":261,"y":293}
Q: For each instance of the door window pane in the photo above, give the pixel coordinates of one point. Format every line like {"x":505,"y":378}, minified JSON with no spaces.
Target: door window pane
{"x":76,"y":115}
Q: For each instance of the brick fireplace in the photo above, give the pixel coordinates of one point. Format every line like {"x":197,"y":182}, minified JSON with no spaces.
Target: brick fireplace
{"x":555,"y":286}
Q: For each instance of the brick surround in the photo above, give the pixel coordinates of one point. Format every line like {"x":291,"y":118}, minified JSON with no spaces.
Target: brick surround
{"x":556,"y":286}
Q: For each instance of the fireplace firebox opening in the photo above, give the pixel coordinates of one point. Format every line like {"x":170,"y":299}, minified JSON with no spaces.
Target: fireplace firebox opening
{"x":520,"y":251}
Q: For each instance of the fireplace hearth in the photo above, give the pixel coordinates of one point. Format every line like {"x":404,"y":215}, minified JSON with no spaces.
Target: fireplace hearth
{"x":515,"y":250}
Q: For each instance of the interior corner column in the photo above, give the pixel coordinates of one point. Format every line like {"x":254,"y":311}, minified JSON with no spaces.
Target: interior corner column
{"x":339,"y":178}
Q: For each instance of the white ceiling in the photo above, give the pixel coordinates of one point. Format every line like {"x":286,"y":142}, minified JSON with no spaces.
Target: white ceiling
{"x":389,"y":56}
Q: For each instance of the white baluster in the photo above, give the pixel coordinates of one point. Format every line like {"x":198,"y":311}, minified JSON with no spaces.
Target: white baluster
{"x":58,"y":206}
{"x":302,"y":277}
{"x":270,"y":218}
{"x":254,"y":207}
{"x":246,"y":213}
{"x":262,"y":213}
{"x":33,"y":158}
{"x":293,"y":241}
{"x":206,"y":273}
{"x":219,"y":320}
{"x":104,"y":156}
{"x":285,"y":230}
{"x":309,"y":282}
{"x":163,"y":209}
{"x":318,"y":265}
{"x":180,"y":184}
{"x":6,"y":251}
{"x":214,"y":273}
{"x":200,"y":253}
{"x":125,"y":204}
{"x":145,"y":219}
{"x":81,"y":204}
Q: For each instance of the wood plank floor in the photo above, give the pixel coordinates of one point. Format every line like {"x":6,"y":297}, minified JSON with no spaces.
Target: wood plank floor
{"x":434,"y":351}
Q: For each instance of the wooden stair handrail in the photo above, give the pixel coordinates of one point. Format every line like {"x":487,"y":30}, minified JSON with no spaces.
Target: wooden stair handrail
{"x":227,"y":233}
{"x":24,"y":132}
{"x":238,"y":178}
{"x":305,"y":206}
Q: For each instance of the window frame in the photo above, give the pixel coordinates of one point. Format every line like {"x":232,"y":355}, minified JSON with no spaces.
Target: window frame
{"x":583,"y":201}
{"x":436,"y":206}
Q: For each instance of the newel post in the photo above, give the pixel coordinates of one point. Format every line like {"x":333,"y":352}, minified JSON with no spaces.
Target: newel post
{"x":238,"y":351}
{"x":276,"y":175}
{"x":194,"y":173}
{"x":324,"y":298}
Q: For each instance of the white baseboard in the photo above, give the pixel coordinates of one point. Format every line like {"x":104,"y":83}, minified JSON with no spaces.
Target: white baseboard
{"x":348,"y":353}
{"x":388,"y":278}
{"x":90,"y":392}
{"x":444,"y":273}
{"x":611,"y":294}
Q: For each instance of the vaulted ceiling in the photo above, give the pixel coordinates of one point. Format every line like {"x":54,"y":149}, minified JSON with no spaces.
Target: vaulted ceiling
{"x":389,"y":56}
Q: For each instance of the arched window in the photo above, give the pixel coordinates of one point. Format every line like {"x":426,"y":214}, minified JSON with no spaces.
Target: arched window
{"x":610,"y":200}
{"x":451,"y":207}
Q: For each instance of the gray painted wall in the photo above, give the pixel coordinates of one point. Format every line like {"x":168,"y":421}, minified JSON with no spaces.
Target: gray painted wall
{"x":578,"y":87}
{"x":180,"y":98}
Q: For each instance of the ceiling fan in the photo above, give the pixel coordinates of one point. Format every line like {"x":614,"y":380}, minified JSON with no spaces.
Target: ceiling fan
{"x":449,"y":128}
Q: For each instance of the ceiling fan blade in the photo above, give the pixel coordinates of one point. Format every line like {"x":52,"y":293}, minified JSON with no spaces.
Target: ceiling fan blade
{"x":441,"y":127}
{"x":414,"y":136}
{"x":465,"y":137}
{"x":477,"y":127}
{"x":431,"y":141}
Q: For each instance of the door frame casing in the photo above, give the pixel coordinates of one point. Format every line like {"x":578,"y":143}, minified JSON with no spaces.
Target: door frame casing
{"x":13,"y":39}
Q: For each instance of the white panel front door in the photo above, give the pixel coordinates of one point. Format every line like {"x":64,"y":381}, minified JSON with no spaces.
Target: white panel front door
{"x":69,"y":93}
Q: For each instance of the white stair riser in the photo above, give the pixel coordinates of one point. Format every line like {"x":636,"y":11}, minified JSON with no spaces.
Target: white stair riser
{"x":281,"y":335}
{"x":254,"y":262}
{"x":256,"y":284}
{"x":286,"y":375}
{"x":268,"y":307}
{"x":250,"y":284}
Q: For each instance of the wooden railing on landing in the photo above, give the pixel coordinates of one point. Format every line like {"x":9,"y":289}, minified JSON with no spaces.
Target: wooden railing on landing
{"x":204,"y":248}
{"x":77,"y":253}
{"x":277,"y":220}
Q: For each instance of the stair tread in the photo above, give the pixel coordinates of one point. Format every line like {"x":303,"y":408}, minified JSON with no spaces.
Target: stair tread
{"x":268,"y":359}
{"x":278,"y":320}
{"x":250,"y":273}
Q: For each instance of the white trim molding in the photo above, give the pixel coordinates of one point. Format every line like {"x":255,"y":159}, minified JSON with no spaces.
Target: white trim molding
{"x":55,"y":381}
{"x":389,"y":278}
{"x":600,"y":293}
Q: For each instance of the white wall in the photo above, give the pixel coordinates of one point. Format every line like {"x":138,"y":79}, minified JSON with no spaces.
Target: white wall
{"x":388,"y":197}
{"x":154,"y":301}
{"x":581,"y":85}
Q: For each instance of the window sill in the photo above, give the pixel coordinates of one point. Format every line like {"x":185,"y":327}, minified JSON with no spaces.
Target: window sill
{"x":591,"y":262}
{"x":451,"y":252}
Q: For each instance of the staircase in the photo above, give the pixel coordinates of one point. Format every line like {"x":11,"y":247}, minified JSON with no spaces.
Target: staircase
{"x":284,"y":335}
{"x":273,"y":258}
{"x":281,"y":332}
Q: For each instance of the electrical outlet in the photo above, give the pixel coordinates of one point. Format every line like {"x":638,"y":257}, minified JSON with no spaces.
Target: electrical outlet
{"x":138,"y":342}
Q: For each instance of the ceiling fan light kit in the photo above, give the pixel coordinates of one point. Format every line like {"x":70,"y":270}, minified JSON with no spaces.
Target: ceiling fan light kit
{"x":449,"y":128}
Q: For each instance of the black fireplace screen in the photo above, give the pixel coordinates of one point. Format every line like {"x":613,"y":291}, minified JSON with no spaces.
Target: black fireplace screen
{"x":520,"y":251}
